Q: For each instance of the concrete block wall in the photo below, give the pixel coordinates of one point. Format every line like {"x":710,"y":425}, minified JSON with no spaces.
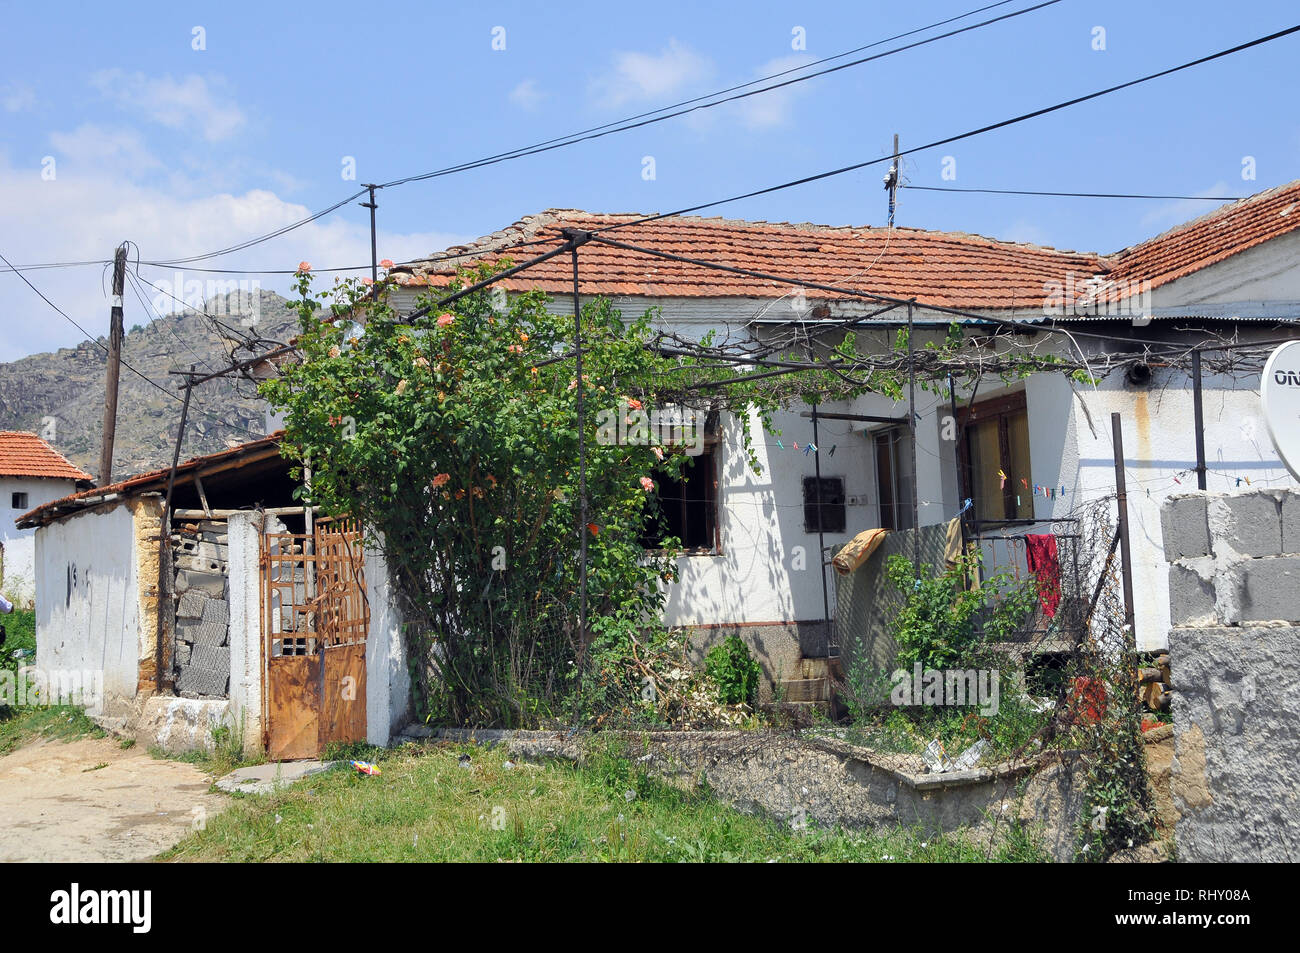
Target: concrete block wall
{"x":1234,"y":558}
{"x":202,"y":652}
{"x":1234,"y":593}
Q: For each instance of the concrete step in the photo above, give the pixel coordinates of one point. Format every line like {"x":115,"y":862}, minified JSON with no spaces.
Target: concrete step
{"x":805,"y":690}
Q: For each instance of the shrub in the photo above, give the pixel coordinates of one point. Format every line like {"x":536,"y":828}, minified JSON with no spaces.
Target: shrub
{"x":943,"y":624}
{"x":734,"y":670}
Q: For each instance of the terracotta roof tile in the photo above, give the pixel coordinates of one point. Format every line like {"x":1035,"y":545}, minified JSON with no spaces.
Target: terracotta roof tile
{"x":1227,"y":231}
{"x":942,"y":268}
{"x":949,"y":269}
{"x":24,"y":454}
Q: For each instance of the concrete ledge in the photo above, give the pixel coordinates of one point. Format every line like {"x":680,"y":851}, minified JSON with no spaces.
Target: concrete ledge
{"x":836,"y":783}
{"x":179,"y":724}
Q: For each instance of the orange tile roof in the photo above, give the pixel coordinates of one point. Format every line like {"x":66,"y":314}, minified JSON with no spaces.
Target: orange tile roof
{"x":947,"y":269}
{"x":1204,"y":241}
{"x":24,"y":454}
{"x":151,"y":479}
{"x":943,"y":268}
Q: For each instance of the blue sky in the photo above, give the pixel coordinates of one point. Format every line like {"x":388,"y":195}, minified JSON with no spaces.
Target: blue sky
{"x":184,"y":151}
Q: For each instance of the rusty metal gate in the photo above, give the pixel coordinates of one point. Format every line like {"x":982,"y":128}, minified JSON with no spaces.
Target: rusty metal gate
{"x":315,"y":616}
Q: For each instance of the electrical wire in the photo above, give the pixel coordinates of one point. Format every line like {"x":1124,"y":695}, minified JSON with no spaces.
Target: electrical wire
{"x":634,"y":122}
{"x":1002,"y":124}
{"x":1080,"y":195}
{"x":130,"y":367}
{"x":638,"y":122}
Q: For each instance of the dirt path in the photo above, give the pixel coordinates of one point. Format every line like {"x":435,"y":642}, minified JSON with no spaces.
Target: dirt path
{"x":91,"y":801}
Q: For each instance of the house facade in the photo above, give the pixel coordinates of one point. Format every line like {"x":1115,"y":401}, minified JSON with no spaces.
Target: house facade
{"x":1023,"y":453}
{"x":31,"y":473}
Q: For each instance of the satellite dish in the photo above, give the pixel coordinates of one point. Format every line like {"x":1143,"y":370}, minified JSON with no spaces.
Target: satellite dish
{"x":1279,"y":389}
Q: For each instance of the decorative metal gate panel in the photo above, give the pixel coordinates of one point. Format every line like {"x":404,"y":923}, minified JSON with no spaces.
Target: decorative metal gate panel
{"x":314,"y":622}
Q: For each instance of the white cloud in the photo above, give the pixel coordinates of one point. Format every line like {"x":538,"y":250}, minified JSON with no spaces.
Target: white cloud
{"x":639,"y":77}
{"x":526,"y":95}
{"x":1175,"y":213}
{"x":17,"y":97}
{"x":765,"y":110}
{"x":1023,"y":230}
{"x":189,"y":103}
{"x":84,"y":217}
{"x":99,"y":150}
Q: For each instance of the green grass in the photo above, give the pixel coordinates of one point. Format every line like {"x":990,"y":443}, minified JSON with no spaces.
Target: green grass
{"x":18,"y":726}
{"x":225,"y":754}
{"x":426,"y":807}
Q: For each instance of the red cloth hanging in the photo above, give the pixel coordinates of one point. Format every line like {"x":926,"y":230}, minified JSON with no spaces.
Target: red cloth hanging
{"x":1040,"y":555}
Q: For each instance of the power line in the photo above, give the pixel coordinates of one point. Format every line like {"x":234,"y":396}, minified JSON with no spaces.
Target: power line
{"x":130,"y":367}
{"x":1023,"y":117}
{"x":640,"y":120}
{"x":633,"y":122}
{"x":1079,"y":195}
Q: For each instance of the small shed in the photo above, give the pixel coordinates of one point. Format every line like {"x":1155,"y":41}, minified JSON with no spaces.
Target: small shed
{"x":244,"y":613}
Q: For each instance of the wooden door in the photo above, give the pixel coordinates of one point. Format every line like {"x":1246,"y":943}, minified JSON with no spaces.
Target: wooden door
{"x":314,"y":623}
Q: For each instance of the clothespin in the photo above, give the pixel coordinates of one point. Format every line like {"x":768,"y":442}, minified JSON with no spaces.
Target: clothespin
{"x":809,"y":448}
{"x":833,"y":446}
{"x":1017,"y":499}
{"x":1062,"y":489}
{"x":1178,"y":481}
{"x":1002,"y":477}
{"x":966,"y":504}
{"x":1247,"y":481}
{"x":1024,"y":483}
{"x":1238,"y":481}
{"x":779,"y":443}
{"x":795,"y":444}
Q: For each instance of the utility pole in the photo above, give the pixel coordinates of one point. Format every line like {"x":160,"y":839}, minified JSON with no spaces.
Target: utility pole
{"x":114,"y":367}
{"x":374,"y":254}
{"x":891,"y":183}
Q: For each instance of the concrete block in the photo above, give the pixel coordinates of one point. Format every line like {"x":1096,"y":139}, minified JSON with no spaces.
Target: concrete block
{"x":217,"y":659}
{"x":1291,"y":522}
{"x":1272,"y":588}
{"x":202,"y":681}
{"x":214,"y":584}
{"x":1184,"y":527}
{"x":201,"y":564}
{"x":1191,"y":592}
{"x":183,"y":651}
{"x":1249,"y":523}
{"x":210,"y":635}
{"x":191,"y":604}
{"x":216,"y":610}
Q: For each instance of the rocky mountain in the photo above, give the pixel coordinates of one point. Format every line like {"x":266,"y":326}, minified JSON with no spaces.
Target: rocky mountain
{"x":60,"y":395}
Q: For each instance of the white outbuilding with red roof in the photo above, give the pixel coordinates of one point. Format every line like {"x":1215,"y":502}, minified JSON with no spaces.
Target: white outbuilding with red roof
{"x":31,"y":473}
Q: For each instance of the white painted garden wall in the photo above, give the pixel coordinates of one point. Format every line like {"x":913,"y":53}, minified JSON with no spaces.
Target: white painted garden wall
{"x":87,"y":601}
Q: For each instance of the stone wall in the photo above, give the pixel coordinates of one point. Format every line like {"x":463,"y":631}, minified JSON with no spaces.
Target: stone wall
{"x":833,"y":783}
{"x":202,"y":653}
{"x":1234,"y":584}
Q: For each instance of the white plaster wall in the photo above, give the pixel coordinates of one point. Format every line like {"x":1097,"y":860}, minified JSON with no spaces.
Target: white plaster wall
{"x":87,"y":601}
{"x":1260,"y":282}
{"x":769,"y":568}
{"x":247,"y":661}
{"x":19,"y":582}
{"x":761,"y":519}
{"x":1158,"y":445}
{"x":388,"y":682}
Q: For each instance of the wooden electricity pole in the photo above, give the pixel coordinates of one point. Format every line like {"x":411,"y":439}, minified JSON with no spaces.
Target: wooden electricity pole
{"x":114,"y":367}
{"x":891,"y":183}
